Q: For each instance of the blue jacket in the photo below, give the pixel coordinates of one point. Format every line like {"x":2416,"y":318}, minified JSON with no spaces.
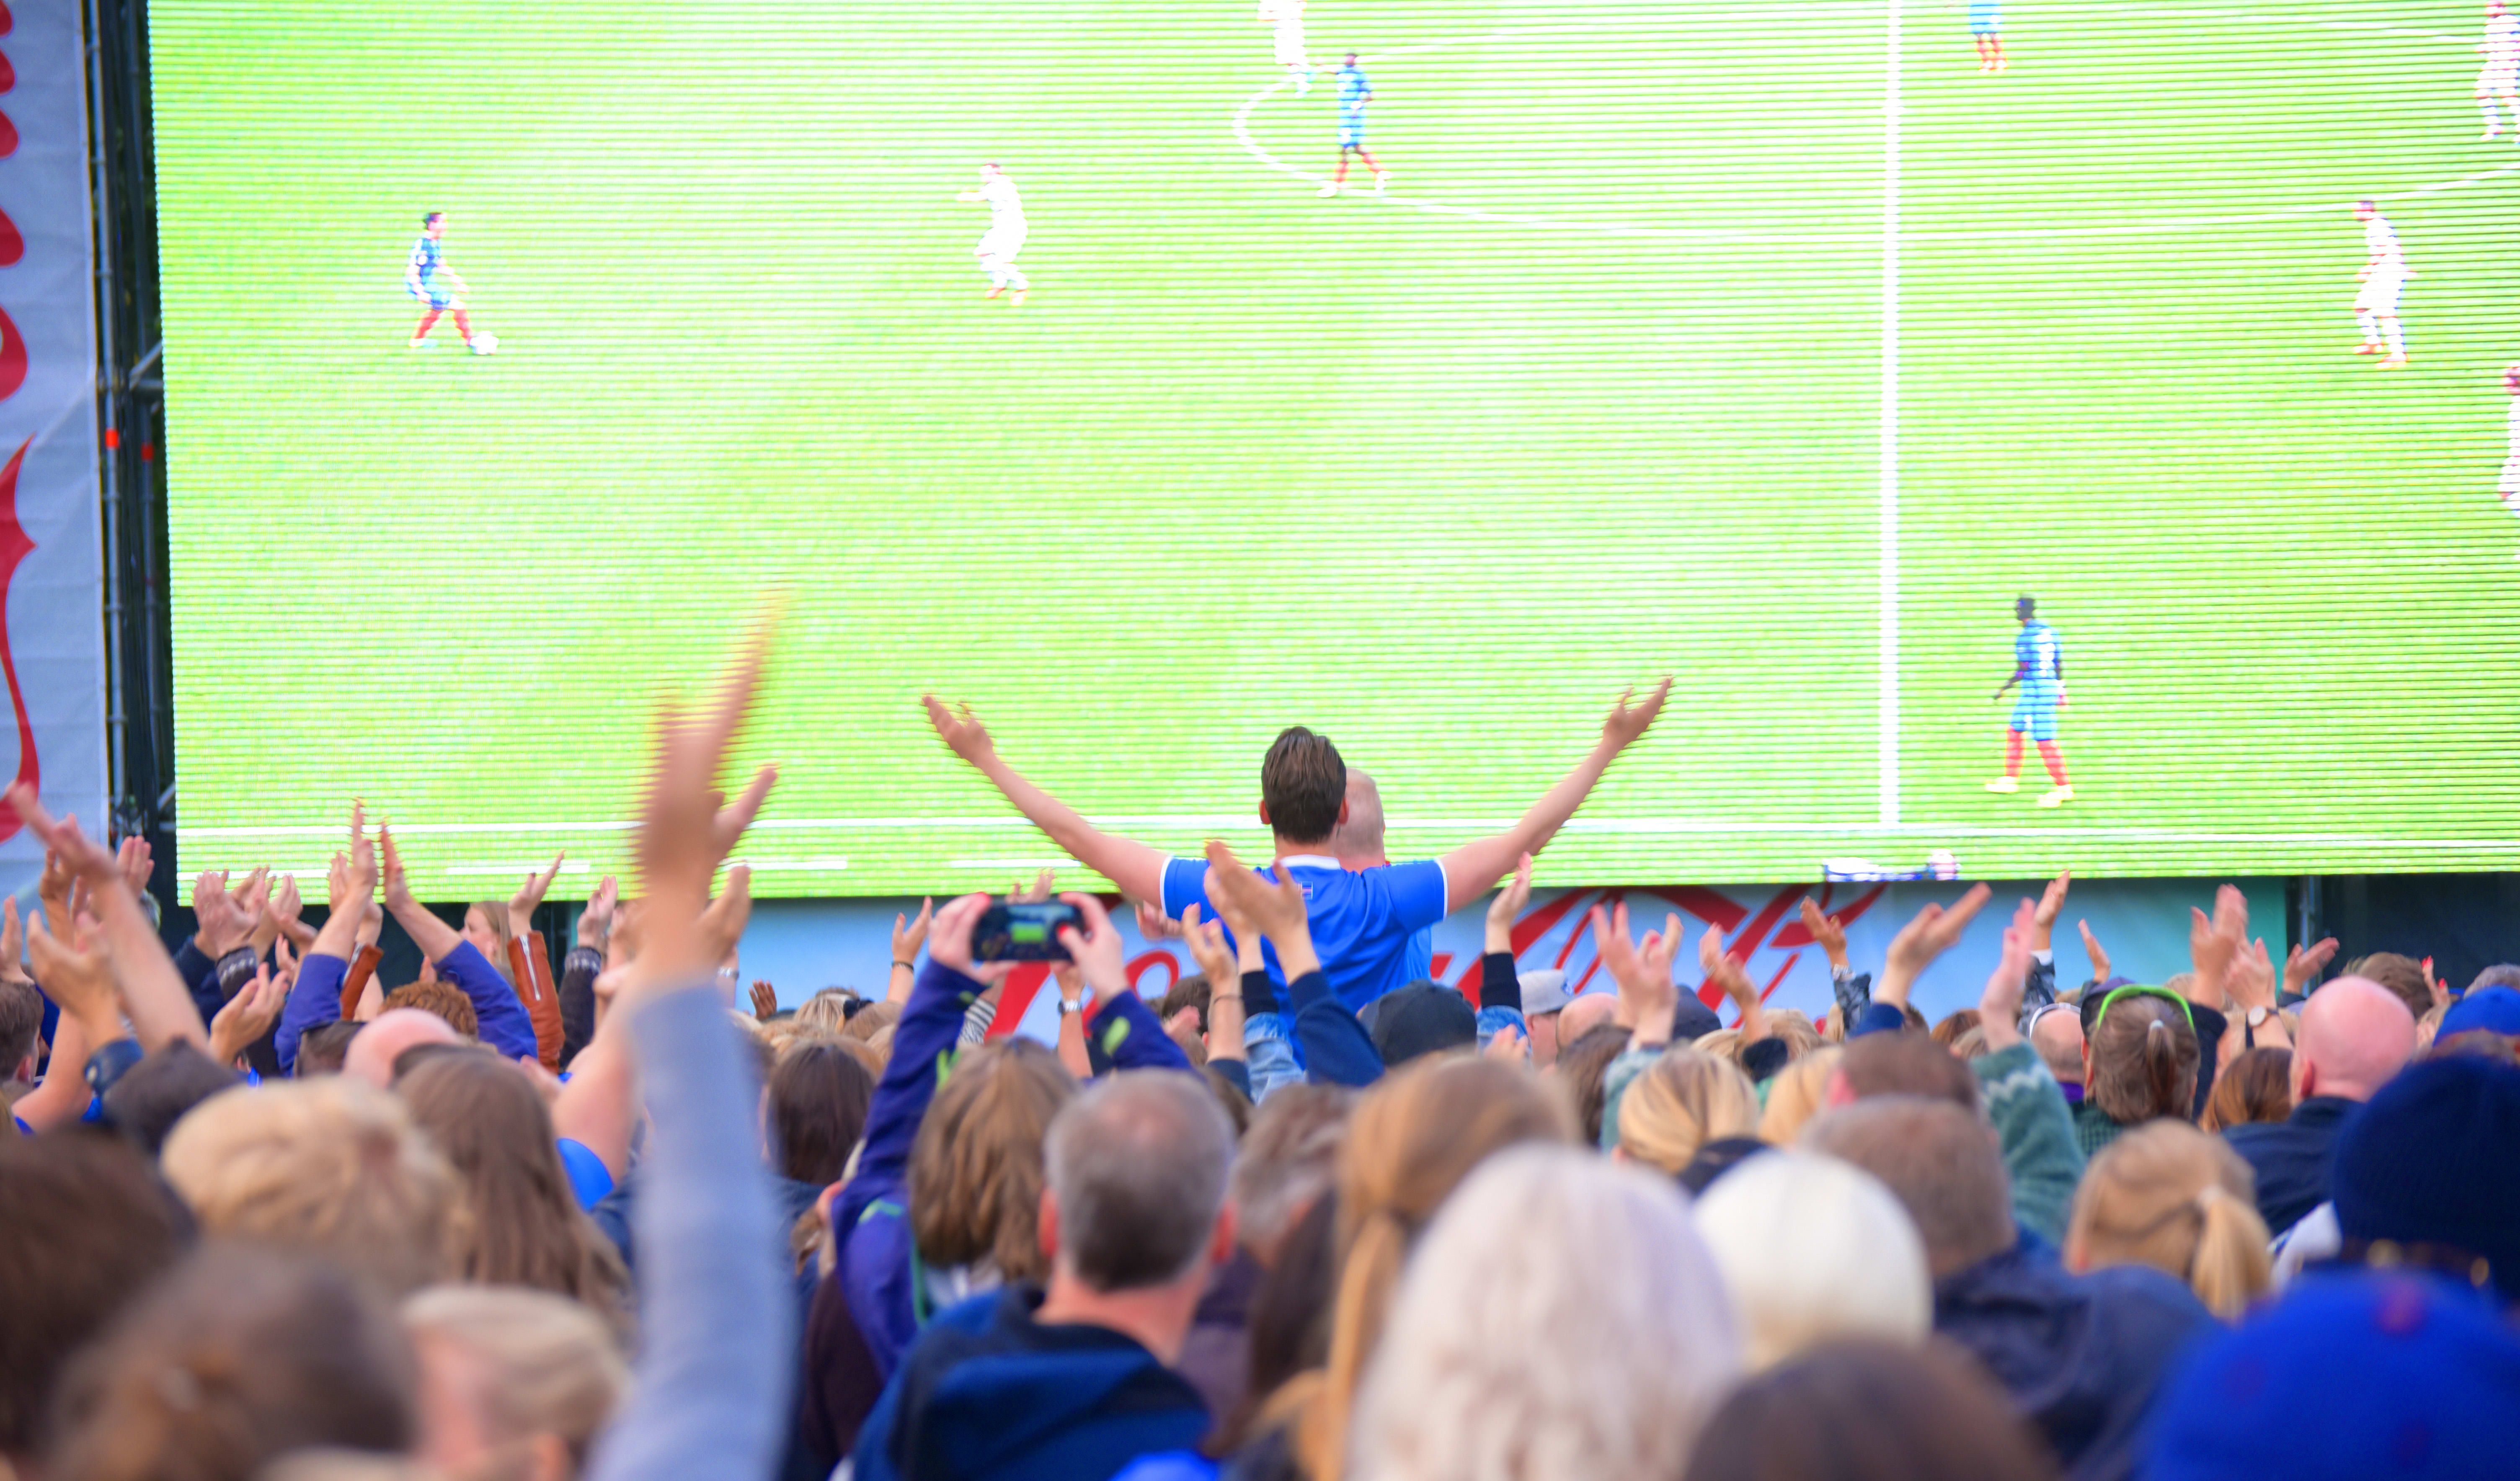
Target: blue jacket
{"x":2081,"y":1355}
{"x":2292,"y":1157}
{"x":989,"y":1394}
{"x":316,"y":1001}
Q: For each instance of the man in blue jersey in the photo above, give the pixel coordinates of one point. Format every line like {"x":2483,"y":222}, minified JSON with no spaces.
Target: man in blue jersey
{"x":2038,"y":667}
{"x":426,"y":277}
{"x":1361,"y":921}
{"x":1354,"y":93}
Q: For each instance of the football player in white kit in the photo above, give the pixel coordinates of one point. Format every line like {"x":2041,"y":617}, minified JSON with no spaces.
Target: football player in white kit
{"x":2384,"y":277}
{"x":1287,"y":17}
{"x":2498,"y":86}
{"x":1006,"y":233}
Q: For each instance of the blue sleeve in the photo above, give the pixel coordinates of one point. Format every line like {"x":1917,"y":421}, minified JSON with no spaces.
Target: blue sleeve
{"x":1185,"y":885}
{"x":1496,"y":1020}
{"x":923,"y":1046}
{"x":314,"y":1002}
{"x":716,"y":1313}
{"x":1237,"y":1073}
{"x":1131,"y":1035}
{"x":1416,"y":893}
{"x":1338,"y":1050}
{"x":200,"y":977}
{"x":1877,"y":1018}
{"x":1270,"y":1058}
{"x":504,"y":1024}
{"x":588,"y":1178}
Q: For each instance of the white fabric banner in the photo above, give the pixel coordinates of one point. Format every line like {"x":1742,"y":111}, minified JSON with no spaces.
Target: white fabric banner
{"x":51,"y":630}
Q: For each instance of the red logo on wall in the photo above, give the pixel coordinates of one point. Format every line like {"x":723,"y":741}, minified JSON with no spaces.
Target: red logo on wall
{"x":13,"y":548}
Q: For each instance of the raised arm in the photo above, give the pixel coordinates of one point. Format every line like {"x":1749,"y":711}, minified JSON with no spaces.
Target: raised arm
{"x":316,"y":998}
{"x":1473,"y":868}
{"x":1138,"y":870}
{"x":1338,"y":1050}
{"x":160,"y":1005}
{"x":501,"y":1017}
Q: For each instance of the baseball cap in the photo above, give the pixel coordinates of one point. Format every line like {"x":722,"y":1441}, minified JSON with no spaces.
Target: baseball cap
{"x":1422,"y":1018}
{"x":2493,"y":1009}
{"x":1544,"y":991}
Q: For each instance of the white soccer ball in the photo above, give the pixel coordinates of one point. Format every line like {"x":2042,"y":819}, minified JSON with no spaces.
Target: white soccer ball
{"x":486,"y":343}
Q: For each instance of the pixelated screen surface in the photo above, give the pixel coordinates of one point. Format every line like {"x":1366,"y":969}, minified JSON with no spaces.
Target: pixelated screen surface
{"x":1430,"y":402}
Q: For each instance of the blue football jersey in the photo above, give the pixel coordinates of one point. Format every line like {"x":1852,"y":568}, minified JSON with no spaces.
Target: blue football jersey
{"x":1353,"y":88}
{"x":424,"y":255}
{"x":1365,"y":923}
{"x":2037,"y":657}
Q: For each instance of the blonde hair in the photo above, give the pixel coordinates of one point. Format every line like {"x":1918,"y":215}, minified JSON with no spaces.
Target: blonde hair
{"x":871,"y":1020}
{"x":1684,"y":1101}
{"x":1414,"y":1135}
{"x":1815,"y":1251}
{"x":530,"y":1363}
{"x":1559,"y":1319}
{"x":1800,"y":1034}
{"x":496,"y":913}
{"x":1722,"y":1044}
{"x":827,"y":1009}
{"x":1798,"y":1092}
{"x":2179,"y":1199}
{"x":333,"y":1166}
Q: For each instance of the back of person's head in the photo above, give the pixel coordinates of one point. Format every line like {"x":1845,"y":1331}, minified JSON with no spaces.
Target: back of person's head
{"x":1302,"y":784}
{"x":2057,"y":1037}
{"x":2344,"y":1378}
{"x":2401,"y":975}
{"x":2424,"y":1173}
{"x":827,"y":1009}
{"x":1797,"y":1094}
{"x":2501,"y":974}
{"x":22,"y":1022}
{"x":444,"y":999}
{"x":509,"y":1373}
{"x":871,"y":1020}
{"x":1137,"y":1165}
{"x":2144,"y":1060}
{"x":525,"y":1228}
{"x":819,"y":1095}
{"x":2355,"y":1035}
{"x":155,"y":1093}
{"x":1814,"y":1249}
{"x":1230,"y":1097}
{"x":1871,"y":1411}
{"x":976,"y":1170}
{"x":371,"y":1056}
{"x":1422,"y":1018}
{"x":330,"y":1167}
{"x":1360,"y":836}
{"x":1940,"y":1161}
{"x":2256,"y":1086}
{"x":1287,"y":1161}
{"x":1684,"y":1101}
{"x":2179,"y":1199}
{"x":1907,"y":1063}
{"x":1414,"y":1135}
{"x":238,"y":1357}
{"x":1190,"y":992}
{"x":84,"y":1226}
{"x":320,"y":1051}
{"x":1559,"y":1319}
{"x":1289,"y":1323}
{"x":1948,"y":1029}
{"x":1583,"y":1068}
{"x":1801,"y":1036}
{"x":490,"y":918}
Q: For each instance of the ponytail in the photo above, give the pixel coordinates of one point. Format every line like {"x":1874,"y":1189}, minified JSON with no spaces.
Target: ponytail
{"x":2161,"y":1069}
{"x":2230,"y":1266}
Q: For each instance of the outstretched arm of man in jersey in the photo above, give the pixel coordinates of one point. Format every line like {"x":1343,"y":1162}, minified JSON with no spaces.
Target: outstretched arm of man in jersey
{"x":1138,"y":870}
{"x":1473,"y":868}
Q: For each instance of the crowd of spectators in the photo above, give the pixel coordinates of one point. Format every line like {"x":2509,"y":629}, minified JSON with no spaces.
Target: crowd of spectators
{"x":1312,"y":1217}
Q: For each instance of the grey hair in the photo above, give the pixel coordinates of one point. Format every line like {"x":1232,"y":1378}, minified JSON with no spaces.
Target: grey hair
{"x":1560,"y":1317}
{"x":1138,"y":1165}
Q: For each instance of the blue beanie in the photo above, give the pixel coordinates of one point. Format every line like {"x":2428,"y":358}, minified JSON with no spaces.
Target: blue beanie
{"x":2434,"y":1159}
{"x":2488,"y":1008}
{"x":2353,"y":1377}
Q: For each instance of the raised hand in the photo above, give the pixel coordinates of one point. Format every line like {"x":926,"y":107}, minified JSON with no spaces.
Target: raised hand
{"x":1155,"y":926}
{"x":722,"y":923}
{"x":363,"y":855}
{"x":1646,"y":993}
{"x":910,"y":934}
{"x":397,"y":885}
{"x":1272,"y":908}
{"x":1627,"y":722}
{"x":137,"y":862}
{"x":13,"y":943}
{"x":286,"y":906}
{"x":1096,"y":950}
{"x":1726,"y":971}
{"x":1043,"y":886}
{"x":1923,"y":939}
{"x":686,"y":830}
{"x":949,"y":943}
{"x":1826,"y":929}
{"x":1999,"y":1006}
{"x":2251,"y":980}
{"x":961,"y":730}
{"x":1209,"y":949}
{"x":2091,"y":948}
{"x":2042,"y":917}
{"x":594,"y":922}
{"x":2303,"y":966}
{"x":765,"y":1000}
{"x":1508,"y":1047}
{"x":1506,"y":907}
{"x":528,"y":897}
{"x":2214,"y":943}
{"x":53,"y":891}
{"x":250,"y":1015}
{"x":80,"y":980}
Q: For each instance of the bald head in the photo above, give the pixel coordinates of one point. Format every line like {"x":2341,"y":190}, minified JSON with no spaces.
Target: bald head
{"x":373,"y":1052}
{"x":2355,"y":1035}
{"x":1357,"y":842}
{"x":2058,"y":1038}
{"x":1585,"y":1015}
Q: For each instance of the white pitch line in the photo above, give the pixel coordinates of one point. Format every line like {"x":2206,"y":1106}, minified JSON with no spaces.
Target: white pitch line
{"x":1893,"y":106}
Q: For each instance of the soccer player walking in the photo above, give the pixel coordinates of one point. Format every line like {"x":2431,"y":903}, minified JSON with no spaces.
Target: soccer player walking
{"x":1006,"y":233}
{"x":2498,"y":85}
{"x":1354,"y":93}
{"x":2038,"y":667}
{"x":1986,"y":28}
{"x":1287,"y":18}
{"x":426,"y":277}
{"x":2384,"y":277}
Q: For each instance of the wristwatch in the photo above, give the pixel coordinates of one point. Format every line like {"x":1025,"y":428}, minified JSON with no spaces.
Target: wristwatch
{"x":1069,"y":1006}
{"x":2260,"y":1015}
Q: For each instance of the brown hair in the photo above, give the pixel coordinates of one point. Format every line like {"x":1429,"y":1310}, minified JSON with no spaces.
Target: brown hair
{"x":2256,"y":1086}
{"x":819,"y":1095}
{"x":975,"y":1171}
{"x":22,"y":1018}
{"x":1948,"y":1032}
{"x":1906,"y":1064}
{"x":2143,"y":1061}
{"x":2400,"y":974}
{"x":527,"y":1229}
{"x":1414,"y":1135}
{"x":84,"y":1226}
{"x":866,"y":1021}
{"x":1583,"y":1065}
{"x":321,"y":1050}
{"x":2180,"y":1200}
{"x":1871,"y":1411}
{"x":444,"y":999}
{"x":1796,"y":1094}
{"x":1303,"y":784}
{"x":1684,"y":1101}
{"x":147,"y":1101}
{"x":1939,"y":1160}
{"x":241,"y":1356}
{"x":1288,"y":1159}
{"x":1190,"y":992}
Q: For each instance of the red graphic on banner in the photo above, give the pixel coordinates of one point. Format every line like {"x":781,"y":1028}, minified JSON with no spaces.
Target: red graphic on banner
{"x":13,"y":548}
{"x":6,"y":19}
{"x":8,"y":137}
{"x":8,"y":73}
{"x":13,"y":245}
{"x":13,"y":357}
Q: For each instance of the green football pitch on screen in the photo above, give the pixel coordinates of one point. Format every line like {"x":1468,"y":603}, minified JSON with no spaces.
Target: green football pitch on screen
{"x":1430,"y":402}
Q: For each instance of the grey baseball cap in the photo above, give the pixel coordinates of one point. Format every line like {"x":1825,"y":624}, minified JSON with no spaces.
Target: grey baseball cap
{"x":1544,"y":991}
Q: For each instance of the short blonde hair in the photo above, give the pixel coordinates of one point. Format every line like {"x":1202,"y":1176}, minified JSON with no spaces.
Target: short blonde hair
{"x":1559,"y":1319}
{"x":1798,"y":1092}
{"x":1722,"y":1044}
{"x":333,"y":1166}
{"x":827,"y":1009}
{"x":1684,"y":1101}
{"x":1815,"y":1250}
{"x":1795,"y":1028}
{"x":2179,"y":1199}
{"x":526,"y":1362}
